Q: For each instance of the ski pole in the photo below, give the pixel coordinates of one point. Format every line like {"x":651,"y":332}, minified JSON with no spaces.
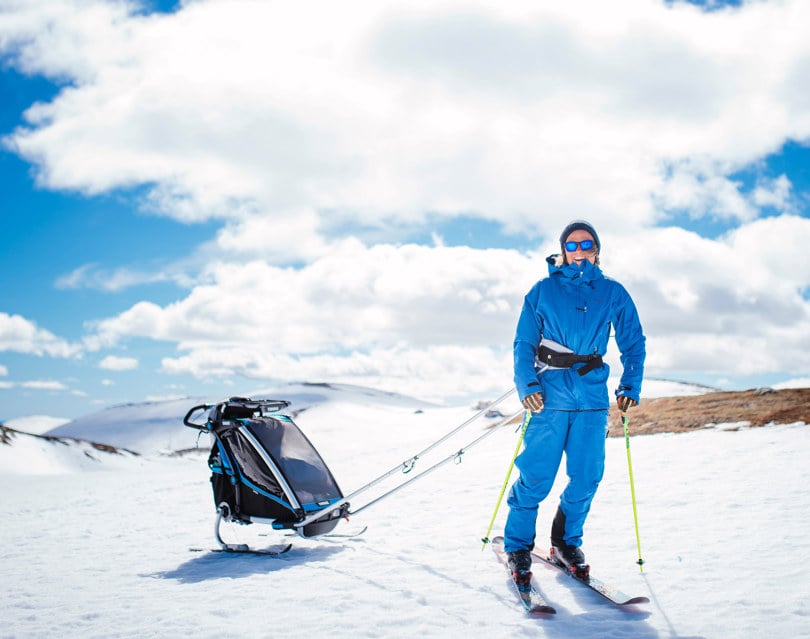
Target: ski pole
{"x":454,"y":457}
{"x":526,"y":418}
{"x":405,"y":467}
{"x":640,"y":561}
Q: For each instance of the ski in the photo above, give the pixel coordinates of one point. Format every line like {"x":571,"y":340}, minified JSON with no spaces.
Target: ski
{"x":351,"y":534}
{"x":531,"y":598}
{"x":244,"y":549}
{"x":611,"y":593}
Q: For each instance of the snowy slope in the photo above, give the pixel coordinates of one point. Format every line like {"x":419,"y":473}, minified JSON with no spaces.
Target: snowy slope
{"x":152,"y":427}
{"x":30,"y":454}
{"x":723,"y":520}
{"x":36,"y":424}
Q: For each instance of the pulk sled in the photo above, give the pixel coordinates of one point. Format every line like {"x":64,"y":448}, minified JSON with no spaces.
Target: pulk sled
{"x":265,"y":470}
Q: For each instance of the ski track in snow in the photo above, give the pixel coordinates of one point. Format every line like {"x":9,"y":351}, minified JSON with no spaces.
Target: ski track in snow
{"x":723,"y":521}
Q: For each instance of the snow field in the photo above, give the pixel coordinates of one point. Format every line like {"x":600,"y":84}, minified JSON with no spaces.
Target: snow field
{"x":723,"y":518}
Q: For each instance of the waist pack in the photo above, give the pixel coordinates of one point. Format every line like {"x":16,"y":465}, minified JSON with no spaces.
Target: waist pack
{"x":554,"y":355}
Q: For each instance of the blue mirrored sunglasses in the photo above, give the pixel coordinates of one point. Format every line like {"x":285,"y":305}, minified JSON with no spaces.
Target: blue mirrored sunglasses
{"x":585,"y":245}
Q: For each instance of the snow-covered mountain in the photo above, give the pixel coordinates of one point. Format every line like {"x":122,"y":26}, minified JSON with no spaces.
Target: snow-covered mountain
{"x":105,"y":438}
{"x":36,"y":424}
{"x":32,"y":454}
{"x":157,"y":427}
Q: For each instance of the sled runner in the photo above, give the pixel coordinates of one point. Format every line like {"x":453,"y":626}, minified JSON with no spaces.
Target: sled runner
{"x":265,"y":470}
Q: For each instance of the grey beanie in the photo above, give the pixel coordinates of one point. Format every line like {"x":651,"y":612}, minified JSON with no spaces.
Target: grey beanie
{"x":579,"y":225}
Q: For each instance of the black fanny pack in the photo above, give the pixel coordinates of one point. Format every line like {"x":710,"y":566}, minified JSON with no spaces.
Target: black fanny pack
{"x":553,"y":359}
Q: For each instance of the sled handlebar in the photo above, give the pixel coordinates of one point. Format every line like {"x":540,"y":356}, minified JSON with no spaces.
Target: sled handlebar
{"x":263,"y":405}
{"x":187,"y":419}
{"x":260,"y":406}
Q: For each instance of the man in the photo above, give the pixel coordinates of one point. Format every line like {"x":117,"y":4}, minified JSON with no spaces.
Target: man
{"x":562,"y":335}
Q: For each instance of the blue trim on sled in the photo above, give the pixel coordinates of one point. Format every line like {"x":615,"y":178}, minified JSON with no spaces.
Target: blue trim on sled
{"x":235,"y":474}
{"x":314,"y":507}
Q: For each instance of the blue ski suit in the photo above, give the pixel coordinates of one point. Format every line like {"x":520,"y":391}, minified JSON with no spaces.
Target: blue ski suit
{"x":575,"y":307}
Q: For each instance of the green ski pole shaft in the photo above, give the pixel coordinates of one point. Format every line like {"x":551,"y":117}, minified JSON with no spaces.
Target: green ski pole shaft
{"x":526,"y":417}
{"x":640,"y":561}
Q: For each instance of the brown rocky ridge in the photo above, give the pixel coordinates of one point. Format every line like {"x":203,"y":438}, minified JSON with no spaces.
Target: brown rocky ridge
{"x":758,"y":407}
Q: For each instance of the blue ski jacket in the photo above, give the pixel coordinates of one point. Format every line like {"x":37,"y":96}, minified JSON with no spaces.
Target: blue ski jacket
{"x":577,"y":308}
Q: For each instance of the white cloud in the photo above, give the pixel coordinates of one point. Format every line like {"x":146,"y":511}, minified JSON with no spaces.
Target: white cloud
{"x":297,"y":238}
{"x":3,"y":370}
{"x":398,"y":316}
{"x":441,"y":319}
{"x":732,"y":305}
{"x":44,"y":385}
{"x":20,"y":335}
{"x":385,"y":111}
{"x":114,"y":363}
{"x":96,"y":277}
{"x":699,"y":190}
{"x":775,"y":193}
{"x":353,"y":297}
{"x":433,"y":373}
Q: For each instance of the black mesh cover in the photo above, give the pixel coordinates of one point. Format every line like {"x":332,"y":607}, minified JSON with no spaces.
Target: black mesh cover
{"x":296,"y":461}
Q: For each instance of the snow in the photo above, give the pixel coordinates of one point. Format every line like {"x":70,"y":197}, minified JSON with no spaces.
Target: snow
{"x":722,"y":520}
{"x":151,"y":427}
{"x":31,"y":455}
{"x":666,"y":388}
{"x":36,"y":423}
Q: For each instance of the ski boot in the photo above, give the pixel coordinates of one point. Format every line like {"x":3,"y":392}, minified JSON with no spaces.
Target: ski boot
{"x":520,"y":563}
{"x":572,"y":559}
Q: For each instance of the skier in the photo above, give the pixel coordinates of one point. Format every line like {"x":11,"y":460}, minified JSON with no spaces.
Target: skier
{"x":561,"y":337}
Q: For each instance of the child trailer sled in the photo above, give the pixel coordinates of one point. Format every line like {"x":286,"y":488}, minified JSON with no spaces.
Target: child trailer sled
{"x":265,"y":470}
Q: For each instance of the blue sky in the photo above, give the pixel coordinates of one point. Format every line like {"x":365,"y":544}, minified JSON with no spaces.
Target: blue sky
{"x":191,"y":210}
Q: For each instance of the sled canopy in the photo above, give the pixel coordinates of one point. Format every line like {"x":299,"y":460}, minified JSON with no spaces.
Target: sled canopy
{"x":264,"y":469}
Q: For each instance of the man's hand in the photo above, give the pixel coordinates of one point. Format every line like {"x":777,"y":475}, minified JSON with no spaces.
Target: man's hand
{"x":533,"y":402}
{"x":624,"y":402}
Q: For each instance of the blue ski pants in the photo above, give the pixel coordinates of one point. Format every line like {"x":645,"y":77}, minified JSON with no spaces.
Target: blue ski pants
{"x":581,"y":436}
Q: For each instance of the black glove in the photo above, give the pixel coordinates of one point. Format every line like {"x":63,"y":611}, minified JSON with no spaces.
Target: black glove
{"x":624,"y":402}
{"x":533,"y":402}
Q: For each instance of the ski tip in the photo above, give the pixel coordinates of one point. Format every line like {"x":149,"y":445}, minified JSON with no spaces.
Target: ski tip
{"x":635,"y":600}
{"x":542,"y":611}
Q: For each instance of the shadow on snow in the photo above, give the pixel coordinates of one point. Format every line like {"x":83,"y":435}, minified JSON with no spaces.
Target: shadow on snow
{"x":224,"y":565}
